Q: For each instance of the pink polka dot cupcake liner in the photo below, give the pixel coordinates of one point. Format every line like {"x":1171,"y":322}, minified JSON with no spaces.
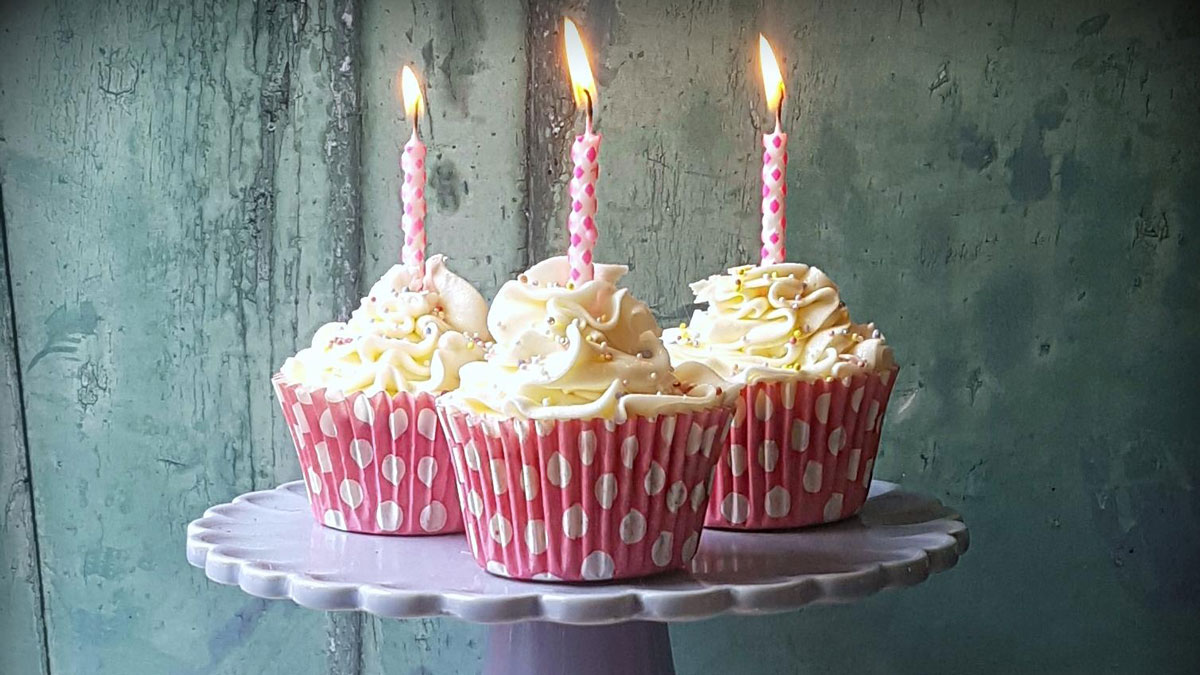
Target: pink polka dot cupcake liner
{"x":375,"y":464}
{"x":799,"y":453}
{"x":584,"y":500}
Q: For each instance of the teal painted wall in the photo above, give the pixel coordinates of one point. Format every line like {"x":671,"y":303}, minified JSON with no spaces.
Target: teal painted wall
{"x":1009,"y":189}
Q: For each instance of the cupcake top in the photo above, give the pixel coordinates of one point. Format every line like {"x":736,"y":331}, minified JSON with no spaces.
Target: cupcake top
{"x":579,"y":352}
{"x":411,"y":334}
{"x":776,"y":321}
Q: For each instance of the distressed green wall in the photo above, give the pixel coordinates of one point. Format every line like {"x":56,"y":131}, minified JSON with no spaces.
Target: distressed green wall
{"x":1010,"y":189}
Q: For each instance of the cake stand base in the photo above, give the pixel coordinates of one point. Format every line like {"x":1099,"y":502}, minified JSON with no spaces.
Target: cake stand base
{"x":542,"y":648}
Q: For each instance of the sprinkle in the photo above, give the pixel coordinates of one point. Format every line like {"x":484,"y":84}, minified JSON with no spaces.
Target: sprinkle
{"x":570,"y":285}
{"x":796,"y":334}
{"x":653,"y":376}
{"x":608,"y":356}
{"x":624,"y":383}
{"x":683,"y":326}
{"x":524,"y":278}
{"x":550,"y":320}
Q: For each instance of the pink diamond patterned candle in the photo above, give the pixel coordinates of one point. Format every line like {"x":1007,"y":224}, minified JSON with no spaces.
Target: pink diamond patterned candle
{"x":774,"y":171}
{"x":412,"y":190}
{"x":585,"y":154}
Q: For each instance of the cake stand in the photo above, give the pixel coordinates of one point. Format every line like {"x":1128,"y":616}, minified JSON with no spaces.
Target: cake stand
{"x":268,"y":544}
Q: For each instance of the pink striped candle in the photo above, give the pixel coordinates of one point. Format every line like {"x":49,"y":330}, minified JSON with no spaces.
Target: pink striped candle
{"x":585,"y":154}
{"x":412,"y":190}
{"x":774,"y":172}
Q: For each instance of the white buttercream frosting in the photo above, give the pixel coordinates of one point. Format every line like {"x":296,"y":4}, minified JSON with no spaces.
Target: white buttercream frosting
{"x":774,"y":322}
{"x":409,"y":334}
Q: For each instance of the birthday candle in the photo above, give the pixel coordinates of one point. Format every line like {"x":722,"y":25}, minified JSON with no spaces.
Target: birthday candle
{"x":412,"y":190}
{"x":585,"y":153}
{"x":774,"y":171}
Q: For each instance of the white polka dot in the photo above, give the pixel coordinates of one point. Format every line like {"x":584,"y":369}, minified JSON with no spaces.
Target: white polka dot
{"x":427,"y":470}
{"x":633,"y":527}
{"x":433,"y":517}
{"x":872,"y":415}
{"x":597,"y":566}
{"x":677,"y":494}
{"x":699,"y":492}
{"x":499,"y":473}
{"x":471,"y":455}
{"x":725,"y":431}
{"x":788,"y":393}
{"x":529,"y":482}
{"x":656,"y":479}
{"x":388,"y":516}
{"x":392,"y":468}
{"x":606,"y":490}
{"x":688,"y":550}
{"x":427,"y":423}
{"x":363,"y":409}
{"x":812,"y":477}
{"x":301,"y":420}
{"x":852,"y":464}
{"x":666,"y":429}
{"x":739,"y":412}
{"x":558,"y":470}
{"x":778,"y":502}
{"x":545,"y":576}
{"x":660,"y":553}
{"x":768,"y":455}
{"x":314,"y":481}
{"x":707,"y":444}
{"x":629,"y":451}
{"x":323,"y":460}
{"x":735,"y":508}
{"x":762,"y":406}
{"x":822,"y":408}
{"x":334,"y":396}
{"x":856,"y":399}
{"x":361,"y":452}
{"x":474,"y":503}
{"x":490,"y":427}
{"x":335,"y":519}
{"x":351,"y":493}
{"x":833,"y":507}
{"x":695,"y":438}
{"x":737,"y":459}
{"x":837,"y":439}
{"x":866,"y":473}
{"x":498,"y":568}
{"x":500,"y":530}
{"x":326,"y":423}
{"x":303,"y":395}
{"x":535,"y":536}
{"x":398,"y":423}
{"x":543,"y":428}
{"x":799,"y":435}
{"x":587,"y":446}
{"x":575,"y":522}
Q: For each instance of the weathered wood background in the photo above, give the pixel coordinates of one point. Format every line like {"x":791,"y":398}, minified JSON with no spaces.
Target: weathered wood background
{"x":1010,"y":189}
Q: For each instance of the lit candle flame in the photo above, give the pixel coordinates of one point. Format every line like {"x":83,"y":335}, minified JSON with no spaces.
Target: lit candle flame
{"x":411,"y":90}
{"x":772,"y":78}
{"x":582,"y":84}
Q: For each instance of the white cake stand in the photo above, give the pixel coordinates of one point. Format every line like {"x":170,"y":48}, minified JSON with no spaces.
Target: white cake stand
{"x":268,"y":544}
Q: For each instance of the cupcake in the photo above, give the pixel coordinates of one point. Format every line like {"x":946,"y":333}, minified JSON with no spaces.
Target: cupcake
{"x":807,"y":423}
{"x":360,"y":403}
{"x":581,"y":455}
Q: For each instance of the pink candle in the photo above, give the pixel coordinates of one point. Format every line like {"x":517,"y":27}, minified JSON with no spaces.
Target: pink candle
{"x":585,"y":154}
{"x":412,"y":190}
{"x":412,"y":199}
{"x":774,"y":171}
{"x":774,"y":197}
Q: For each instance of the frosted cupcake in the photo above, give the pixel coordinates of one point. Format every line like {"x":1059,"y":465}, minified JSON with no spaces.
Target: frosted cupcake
{"x":580,"y":453}
{"x":807,"y":423}
{"x":360,"y":403}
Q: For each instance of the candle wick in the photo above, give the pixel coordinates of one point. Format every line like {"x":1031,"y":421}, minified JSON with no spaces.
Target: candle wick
{"x":778,"y":114}
{"x":588,"y":110}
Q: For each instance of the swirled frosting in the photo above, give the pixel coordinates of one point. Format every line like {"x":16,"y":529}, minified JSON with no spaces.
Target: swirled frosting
{"x":409,"y":334}
{"x":773,"y":322}
{"x":567,"y":352}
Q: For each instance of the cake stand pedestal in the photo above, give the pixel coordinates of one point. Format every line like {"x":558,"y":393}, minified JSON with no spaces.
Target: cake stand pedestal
{"x":268,"y":544}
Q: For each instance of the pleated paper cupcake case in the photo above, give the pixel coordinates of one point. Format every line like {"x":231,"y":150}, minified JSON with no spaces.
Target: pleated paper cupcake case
{"x":799,"y":453}
{"x":373,"y":464}
{"x":584,"y":500}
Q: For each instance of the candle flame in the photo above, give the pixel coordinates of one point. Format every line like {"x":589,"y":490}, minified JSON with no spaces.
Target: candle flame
{"x":411,"y":90}
{"x":582,"y":84}
{"x":772,"y":78}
